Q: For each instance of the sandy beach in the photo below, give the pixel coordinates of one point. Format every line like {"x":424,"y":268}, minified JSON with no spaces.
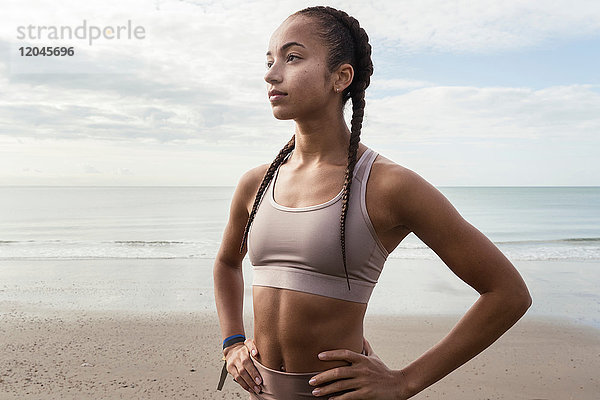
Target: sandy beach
{"x":53,"y":354}
{"x":148,"y":329}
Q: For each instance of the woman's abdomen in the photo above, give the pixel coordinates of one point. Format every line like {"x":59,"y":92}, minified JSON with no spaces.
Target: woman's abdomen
{"x":291,"y":328}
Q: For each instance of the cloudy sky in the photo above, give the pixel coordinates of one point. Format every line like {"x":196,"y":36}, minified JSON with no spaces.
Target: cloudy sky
{"x":463,"y":93}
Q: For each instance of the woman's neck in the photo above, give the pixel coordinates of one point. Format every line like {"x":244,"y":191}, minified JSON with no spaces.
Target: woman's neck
{"x":324,"y":144}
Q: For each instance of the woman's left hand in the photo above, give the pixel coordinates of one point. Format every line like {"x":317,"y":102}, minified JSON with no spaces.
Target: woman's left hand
{"x":367,"y":376}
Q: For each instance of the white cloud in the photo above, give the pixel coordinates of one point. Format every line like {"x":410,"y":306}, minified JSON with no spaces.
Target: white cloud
{"x":475,"y":26}
{"x":445,"y":112}
{"x":90,"y":169}
{"x":195,"y":83}
{"x":385,"y":85}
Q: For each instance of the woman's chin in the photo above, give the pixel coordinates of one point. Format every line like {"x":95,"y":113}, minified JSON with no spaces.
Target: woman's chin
{"x":279,"y":114}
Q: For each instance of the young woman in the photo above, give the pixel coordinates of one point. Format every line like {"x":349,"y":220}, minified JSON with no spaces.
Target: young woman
{"x":318,"y":224}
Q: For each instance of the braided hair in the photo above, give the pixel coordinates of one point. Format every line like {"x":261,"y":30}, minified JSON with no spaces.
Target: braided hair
{"x":347,"y":43}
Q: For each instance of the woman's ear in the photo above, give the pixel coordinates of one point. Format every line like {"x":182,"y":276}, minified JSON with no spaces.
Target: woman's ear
{"x":343,"y":76}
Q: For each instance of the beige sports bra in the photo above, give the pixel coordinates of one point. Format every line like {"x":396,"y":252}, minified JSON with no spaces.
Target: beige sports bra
{"x":299,"y":248}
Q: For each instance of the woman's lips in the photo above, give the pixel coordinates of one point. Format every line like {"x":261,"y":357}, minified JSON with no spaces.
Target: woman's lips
{"x":276,"y":97}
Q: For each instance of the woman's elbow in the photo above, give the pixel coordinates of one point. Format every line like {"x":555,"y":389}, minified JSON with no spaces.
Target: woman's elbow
{"x":520,"y":300}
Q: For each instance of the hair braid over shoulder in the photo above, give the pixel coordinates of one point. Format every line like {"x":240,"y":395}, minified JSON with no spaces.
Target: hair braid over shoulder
{"x":265,"y":182}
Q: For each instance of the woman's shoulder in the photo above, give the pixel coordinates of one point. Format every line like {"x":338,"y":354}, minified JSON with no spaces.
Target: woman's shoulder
{"x":249,"y":183}
{"x":255,"y":175}
{"x":397,"y":189}
{"x":386,"y":173}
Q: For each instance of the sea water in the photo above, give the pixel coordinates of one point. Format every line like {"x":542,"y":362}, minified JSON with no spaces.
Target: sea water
{"x":152,"y":249}
{"x":525,"y":223}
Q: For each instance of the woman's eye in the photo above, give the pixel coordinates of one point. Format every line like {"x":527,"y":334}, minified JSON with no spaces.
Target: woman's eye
{"x":269,"y":64}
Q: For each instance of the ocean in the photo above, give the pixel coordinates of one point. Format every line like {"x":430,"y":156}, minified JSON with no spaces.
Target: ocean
{"x":37,"y":222}
{"x":151,"y":249}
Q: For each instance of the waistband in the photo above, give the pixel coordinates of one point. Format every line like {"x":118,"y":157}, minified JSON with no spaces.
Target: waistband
{"x":278,"y":385}
{"x":286,"y":277}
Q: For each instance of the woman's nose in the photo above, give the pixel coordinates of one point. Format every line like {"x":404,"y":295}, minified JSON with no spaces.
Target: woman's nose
{"x":272,"y":75}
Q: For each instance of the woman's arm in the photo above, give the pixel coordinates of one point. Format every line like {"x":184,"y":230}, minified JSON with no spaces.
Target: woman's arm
{"x":416,"y":205}
{"x":229,"y":281}
{"x":504,"y":297}
{"x":227,"y":270}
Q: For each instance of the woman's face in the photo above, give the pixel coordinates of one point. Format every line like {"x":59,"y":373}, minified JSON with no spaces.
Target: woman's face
{"x":296,"y":66}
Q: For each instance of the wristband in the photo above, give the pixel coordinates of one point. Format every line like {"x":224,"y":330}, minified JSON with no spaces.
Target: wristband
{"x":232,"y":340}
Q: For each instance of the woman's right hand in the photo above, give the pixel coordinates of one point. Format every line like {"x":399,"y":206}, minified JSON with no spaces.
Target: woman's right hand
{"x":241,"y":367}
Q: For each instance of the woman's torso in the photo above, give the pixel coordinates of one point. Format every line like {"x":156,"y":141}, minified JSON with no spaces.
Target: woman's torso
{"x":290,"y":326}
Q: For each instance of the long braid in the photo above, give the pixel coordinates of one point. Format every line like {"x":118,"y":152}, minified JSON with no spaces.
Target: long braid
{"x":364,"y":69}
{"x":359,"y":56}
{"x":265,"y":182}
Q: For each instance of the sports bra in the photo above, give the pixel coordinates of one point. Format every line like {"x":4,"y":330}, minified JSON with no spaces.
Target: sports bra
{"x":299,"y":248}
